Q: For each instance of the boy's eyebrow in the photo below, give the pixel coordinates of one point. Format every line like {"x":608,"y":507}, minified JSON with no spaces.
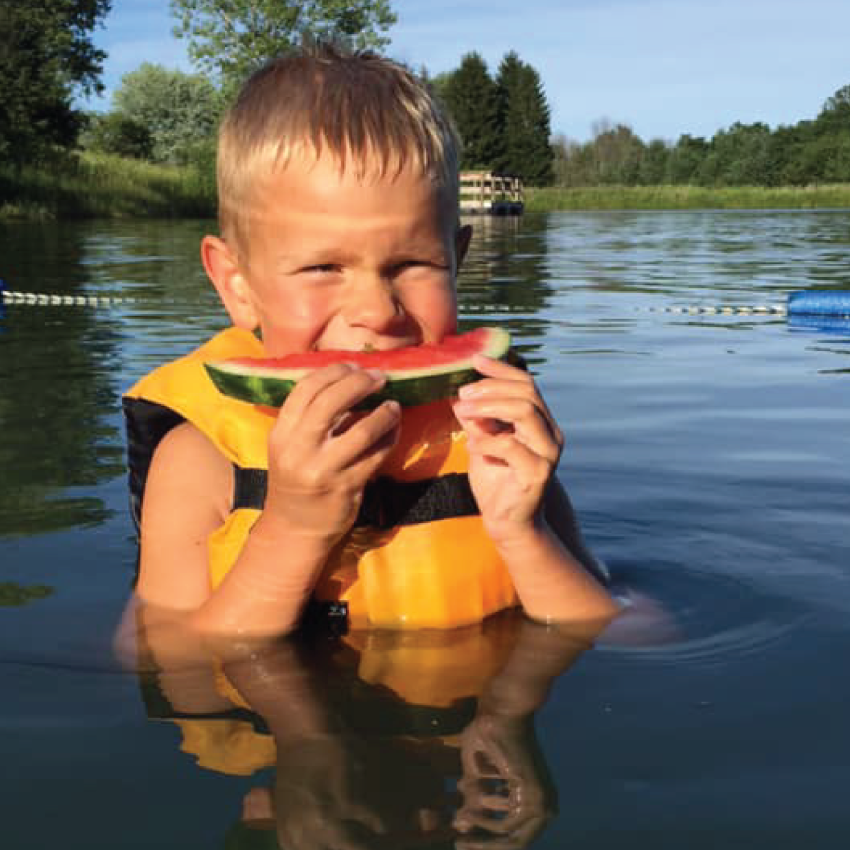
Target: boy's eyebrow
{"x":312,"y":257}
{"x":332,"y":255}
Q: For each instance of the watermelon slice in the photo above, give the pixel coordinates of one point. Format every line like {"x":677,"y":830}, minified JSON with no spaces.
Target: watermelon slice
{"x":415,"y":375}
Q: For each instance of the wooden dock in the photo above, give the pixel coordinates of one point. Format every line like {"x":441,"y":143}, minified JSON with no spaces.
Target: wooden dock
{"x":486,"y":193}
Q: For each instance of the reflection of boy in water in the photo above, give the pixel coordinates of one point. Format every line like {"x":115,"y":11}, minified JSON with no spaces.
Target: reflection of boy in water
{"x":338,"y":196}
{"x":369,"y":759}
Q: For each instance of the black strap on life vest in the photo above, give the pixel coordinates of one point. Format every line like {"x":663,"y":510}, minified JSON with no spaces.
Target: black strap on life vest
{"x":386,"y":503}
{"x":147,"y":423}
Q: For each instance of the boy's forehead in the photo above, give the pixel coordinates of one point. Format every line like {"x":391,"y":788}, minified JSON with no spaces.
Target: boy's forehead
{"x":331,"y":184}
{"x":310,"y":162}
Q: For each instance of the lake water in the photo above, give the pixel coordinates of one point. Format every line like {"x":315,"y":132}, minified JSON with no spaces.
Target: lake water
{"x":709,"y":461}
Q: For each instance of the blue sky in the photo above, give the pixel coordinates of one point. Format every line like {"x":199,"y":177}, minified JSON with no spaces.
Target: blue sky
{"x":664,"y":67}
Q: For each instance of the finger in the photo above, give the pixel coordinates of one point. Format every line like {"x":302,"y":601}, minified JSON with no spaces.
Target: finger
{"x":507,"y":380}
{"x":523,"y":417}
{"x":313,"y":383}
{"x":365,"y":442}
{"x":514,"y":841}
{"x":530,"y":469}
{"x":323,"y":396}
{"x":516,"y":826}
{"x":338,"y":398}
{"x":468,"y":819}
{"x":496,"y":368}
{"x":499,"y":803}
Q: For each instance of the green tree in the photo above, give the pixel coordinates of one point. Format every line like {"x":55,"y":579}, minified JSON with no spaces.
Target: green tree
{"x":836,"y":169}
{"x":653,"y":163}
{"x":47,"y":59}
{"x":114,"y":132}
{"x":180,"y":111}
{"x":685,"y":159}
{"x":471,"y":98}
{"x":439,"y":85}
{"x":835,"y":114}
{"x":616,"y":154}
{"x":564,"y":155}
{"x":742,"y":155}
{"x":524,"y":124}
{"x":232,"y":38}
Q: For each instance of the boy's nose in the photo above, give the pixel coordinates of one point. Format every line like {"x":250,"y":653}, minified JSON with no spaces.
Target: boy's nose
{"x":373,"y":304}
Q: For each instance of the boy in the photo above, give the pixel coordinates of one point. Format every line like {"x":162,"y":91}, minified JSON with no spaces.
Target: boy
{"x":338,"y":191}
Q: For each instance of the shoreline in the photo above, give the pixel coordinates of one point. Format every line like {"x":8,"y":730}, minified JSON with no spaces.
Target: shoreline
{"x":101,"y":186}
{"x":668,"y":197}
{"x":108,"y":187}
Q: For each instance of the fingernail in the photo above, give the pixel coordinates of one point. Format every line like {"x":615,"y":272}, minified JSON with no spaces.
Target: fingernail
{"x":393,"y":406}
{"x":468,"y":391}
{"x":377,"y":374}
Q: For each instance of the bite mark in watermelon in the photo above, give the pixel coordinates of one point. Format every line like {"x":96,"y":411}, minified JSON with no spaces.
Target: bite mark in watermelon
{"x":415,"y":375}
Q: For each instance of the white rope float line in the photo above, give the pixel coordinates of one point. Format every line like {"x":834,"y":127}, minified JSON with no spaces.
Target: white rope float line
{"x":44,"y":299}
{"x":761,"y":309}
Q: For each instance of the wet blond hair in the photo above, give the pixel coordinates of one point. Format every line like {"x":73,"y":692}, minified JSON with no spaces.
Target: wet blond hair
{"x":361,"y":108}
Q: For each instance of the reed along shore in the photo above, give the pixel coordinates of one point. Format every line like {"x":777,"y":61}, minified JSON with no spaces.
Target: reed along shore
{"x":104,"y":186}
{"x":553,"y":199}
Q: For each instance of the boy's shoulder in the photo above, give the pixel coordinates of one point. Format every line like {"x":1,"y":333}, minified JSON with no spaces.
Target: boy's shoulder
{"x":187,"y":465}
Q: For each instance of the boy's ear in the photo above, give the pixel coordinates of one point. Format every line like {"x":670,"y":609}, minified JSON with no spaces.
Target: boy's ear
{"x":223,"y":270}
{"x":463,"y":235}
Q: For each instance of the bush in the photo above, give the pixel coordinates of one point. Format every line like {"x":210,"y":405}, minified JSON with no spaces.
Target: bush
{"x":118,"y":134}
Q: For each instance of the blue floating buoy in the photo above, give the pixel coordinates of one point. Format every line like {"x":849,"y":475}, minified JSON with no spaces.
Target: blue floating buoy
{"x":823,"y":323}
{"x":820,"y":302}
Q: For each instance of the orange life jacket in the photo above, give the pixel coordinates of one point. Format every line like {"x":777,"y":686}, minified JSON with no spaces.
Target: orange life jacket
{"x":418,"y":557}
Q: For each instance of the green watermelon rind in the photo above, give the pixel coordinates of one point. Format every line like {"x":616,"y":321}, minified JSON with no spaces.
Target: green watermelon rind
{"x":409,"y":387}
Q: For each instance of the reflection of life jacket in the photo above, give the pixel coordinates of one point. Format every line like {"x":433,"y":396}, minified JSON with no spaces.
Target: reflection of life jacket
{"x":418,"y":555}
{"x":413,"y":685}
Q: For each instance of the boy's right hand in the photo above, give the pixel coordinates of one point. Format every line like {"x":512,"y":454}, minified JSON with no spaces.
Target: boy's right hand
{"x":321,"y":454}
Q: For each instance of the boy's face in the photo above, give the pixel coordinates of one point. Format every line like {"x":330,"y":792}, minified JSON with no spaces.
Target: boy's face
{"x":337,"y":262}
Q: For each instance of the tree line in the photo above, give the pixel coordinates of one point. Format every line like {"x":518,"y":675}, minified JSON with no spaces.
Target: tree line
{"x":812,"y":151}
{"x":48,"y":60}
{"x":168,"y":116}
{"x":504,"y":122}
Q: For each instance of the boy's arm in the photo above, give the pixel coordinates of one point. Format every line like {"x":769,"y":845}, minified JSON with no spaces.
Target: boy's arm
{"x":561,"y":518}
{"x":185,"y":500}
{"x":514,"y":445}
{"x":320,"y":458}
{"x":553,"y":585}
{"x":187,"y":497}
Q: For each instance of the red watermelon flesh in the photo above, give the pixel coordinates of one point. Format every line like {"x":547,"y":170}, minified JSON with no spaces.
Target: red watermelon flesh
{"x":415,"y":374}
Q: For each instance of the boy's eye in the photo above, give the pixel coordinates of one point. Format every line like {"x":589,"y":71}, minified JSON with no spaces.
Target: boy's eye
{"x":407,"y":265}
{"x":321,"y":268}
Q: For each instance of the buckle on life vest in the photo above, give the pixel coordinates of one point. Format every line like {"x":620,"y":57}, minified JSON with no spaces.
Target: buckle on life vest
{"x":328,"y":616}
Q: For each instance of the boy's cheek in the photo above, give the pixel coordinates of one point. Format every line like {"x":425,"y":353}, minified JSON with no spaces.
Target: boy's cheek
{"x":435,"y":308}
{"x":293,"y":323}
{"x":286,"y":338}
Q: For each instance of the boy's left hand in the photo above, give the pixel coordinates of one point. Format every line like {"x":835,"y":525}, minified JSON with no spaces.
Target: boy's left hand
{"x":514,"y":446}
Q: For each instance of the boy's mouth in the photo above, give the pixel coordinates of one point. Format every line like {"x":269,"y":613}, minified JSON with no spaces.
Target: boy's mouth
{"x":386,"y":345}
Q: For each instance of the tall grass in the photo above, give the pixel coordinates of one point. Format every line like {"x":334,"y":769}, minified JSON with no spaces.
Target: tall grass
{"x":105,"y":186}
{"x":687,"y":198}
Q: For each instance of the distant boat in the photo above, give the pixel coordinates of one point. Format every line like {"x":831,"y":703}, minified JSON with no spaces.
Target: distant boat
{"x":488,"y":193}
